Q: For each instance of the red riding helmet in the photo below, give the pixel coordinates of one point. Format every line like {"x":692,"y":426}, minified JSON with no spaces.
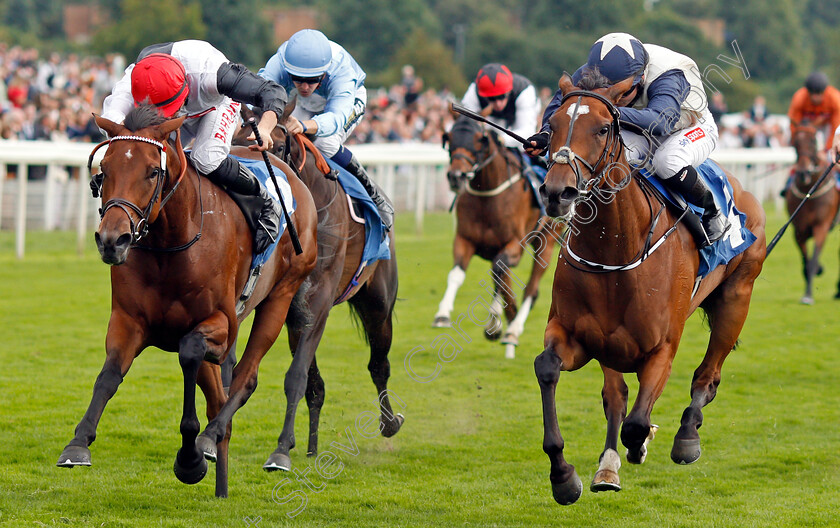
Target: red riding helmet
{"x":493,"y":79}
{"x":160,"y":79}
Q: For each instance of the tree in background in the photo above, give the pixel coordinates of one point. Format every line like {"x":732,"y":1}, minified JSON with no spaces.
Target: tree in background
{"x":432,"y":61}
{"x":239,"y":30}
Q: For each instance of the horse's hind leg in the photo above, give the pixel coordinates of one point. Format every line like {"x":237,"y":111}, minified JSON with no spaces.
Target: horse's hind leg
{"x":303,"y":340}
{"x":314,"y":400}
{"x":375,"y":306}
{"x":812,"y":266}
{"x":727,"y":311}
{"x":614,"y":396}
{"x":209,"y":379}
{"x":463,"y":252}
{"x":122,"y":345}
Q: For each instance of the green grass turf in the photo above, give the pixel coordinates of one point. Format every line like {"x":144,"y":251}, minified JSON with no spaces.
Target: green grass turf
{"x":469,"y":453}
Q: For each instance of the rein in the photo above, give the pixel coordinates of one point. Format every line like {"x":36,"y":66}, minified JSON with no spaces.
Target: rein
{"x":478,"y":167}
{"x":141,"y":228}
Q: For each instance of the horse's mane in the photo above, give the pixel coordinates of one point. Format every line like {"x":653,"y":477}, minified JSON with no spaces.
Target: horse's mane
{"x":462,"y":131}
{"x":143,"y":116}
{"x":592,"y":79}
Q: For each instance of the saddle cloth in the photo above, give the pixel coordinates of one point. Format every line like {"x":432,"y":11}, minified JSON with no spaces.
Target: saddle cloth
{"x":737,"y":239}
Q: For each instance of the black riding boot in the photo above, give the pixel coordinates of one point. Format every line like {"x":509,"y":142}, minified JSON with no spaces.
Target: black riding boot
{"x":239,"y":179}
{"x":688,"y":183}
{"x":386,"y":210}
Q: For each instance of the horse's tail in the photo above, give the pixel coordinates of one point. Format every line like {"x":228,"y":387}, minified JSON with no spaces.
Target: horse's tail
{"x":356,"y":317}
{"x":300,"y":315}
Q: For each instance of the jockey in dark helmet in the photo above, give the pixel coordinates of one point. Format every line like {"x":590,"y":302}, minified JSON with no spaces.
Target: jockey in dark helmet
{"x":192,"y":77}
{"x":665,"y":99}
{"x":331,"y":101}
{"x":509,"y":100}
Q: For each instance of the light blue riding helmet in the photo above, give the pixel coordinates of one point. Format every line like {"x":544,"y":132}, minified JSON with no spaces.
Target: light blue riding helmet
{"x":307,"y":54}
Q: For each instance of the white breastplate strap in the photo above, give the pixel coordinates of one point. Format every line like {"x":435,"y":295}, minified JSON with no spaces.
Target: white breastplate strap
{"x":498,"y":190}
{"x":625,"y":267}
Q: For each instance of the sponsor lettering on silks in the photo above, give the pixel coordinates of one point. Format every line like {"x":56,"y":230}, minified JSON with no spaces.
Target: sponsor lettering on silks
{"x":695,"y":134}
{"x":227,"y":121}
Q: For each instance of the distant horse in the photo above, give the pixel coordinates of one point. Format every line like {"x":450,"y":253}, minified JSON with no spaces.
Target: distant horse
{"x":371,"y":296}
{"x":497,"y":216}
{"x":815,"y":218}
{"x":629,"y":310}
{"x":177,"y":288}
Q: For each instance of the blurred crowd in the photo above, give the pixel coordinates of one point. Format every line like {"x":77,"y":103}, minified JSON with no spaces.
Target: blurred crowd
{"x":52,"y":98}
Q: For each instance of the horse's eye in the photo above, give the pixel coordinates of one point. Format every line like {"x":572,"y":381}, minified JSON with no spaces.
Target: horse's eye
{"x":154,"y":174}
{"x":604,"y":130}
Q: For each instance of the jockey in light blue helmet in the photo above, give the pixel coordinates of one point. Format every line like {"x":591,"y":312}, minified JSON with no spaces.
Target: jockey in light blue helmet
{"x":331,"y":99}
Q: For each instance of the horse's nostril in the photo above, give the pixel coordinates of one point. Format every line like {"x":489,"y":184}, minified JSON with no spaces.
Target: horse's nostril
{"x":123,"y":240}
{"x":569,"y":193}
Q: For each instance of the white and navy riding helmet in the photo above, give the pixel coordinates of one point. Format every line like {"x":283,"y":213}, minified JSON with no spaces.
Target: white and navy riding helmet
{"x":619,"y":56}
{"x":307,"y":54}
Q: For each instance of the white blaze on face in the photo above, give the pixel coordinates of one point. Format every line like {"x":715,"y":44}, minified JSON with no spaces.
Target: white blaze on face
{"x":128,"y":153}
{"x":581,"y":109}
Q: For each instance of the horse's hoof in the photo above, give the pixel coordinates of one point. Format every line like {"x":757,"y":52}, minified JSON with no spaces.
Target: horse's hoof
{"x":389,"y":430}
{"x":278,"y":462}
{"x":637,"y":456}
{"x":190,"y":474}
{"x":442,"y":322}
{"x":73,"y":456}
{"x":685,"y":451}
{"x":605,"y":480}
{"x":492,"y":335}
{"x":837,"y":295}
{"x":568,"y":492}
{"x":207,"y":447}
{"x":807,"y":299}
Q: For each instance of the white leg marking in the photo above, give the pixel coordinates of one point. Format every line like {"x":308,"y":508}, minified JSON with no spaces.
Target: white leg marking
{"x":610,"y":460}
{"x":453,"y":281}
{"x":517,"y":326}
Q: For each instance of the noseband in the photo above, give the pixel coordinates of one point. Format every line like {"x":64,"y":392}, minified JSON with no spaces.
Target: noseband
{"x":141,"y":228}
{"x":474,"y":161}
{"x":565,"y":154}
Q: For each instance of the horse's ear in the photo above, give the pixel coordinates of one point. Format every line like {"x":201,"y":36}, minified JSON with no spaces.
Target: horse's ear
{"x":165,"y":128}
{"x":565,"y":83}
{"x":111,"y":128}
{"x":616,"y":91}
{"x":444,"y":139}
{"x":287,"y":111}
{"x":246,"y":113}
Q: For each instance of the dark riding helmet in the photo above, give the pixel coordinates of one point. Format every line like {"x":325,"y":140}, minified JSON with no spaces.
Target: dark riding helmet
{"x":493,"y":79}
{"x":619,"y":56}
{"x":816,"y":83}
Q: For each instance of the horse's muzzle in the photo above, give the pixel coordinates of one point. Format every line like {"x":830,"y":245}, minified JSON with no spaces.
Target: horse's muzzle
{"x":456,"y":180}
{"x":113,"y":248}
{"x":559,"y":202}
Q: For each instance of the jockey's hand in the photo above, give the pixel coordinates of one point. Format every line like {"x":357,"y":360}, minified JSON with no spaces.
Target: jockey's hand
{"x":294,"y":126}
{"x":834,"y":151}
{"x":266,"y":126}
{"x":537,"y":144}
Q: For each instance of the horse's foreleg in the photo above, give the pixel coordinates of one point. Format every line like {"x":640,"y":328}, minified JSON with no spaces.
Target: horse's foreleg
{"x":614,"y":396}
{"x":304,"y":341}
{"x":637,"y":430}
{"x":812,"y":266}
{"x":463,"y":252}
{"x":727,"y":313}
{"x":122,"y":345}
{"x":209,"y":379}
{"x":565,"y":483}
{"x":209,"y":337}
{"x":268,"y":321}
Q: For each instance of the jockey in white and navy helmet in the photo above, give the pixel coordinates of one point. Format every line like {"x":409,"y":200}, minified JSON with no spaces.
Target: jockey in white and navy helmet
{"x":331,"y":100}
{"x":509,"y":100}
{"x":674,"y":130}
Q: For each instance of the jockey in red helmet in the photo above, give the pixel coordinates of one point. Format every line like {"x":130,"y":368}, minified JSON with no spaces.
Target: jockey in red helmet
{"x":509,"y":100}
{"x":191,"y":77}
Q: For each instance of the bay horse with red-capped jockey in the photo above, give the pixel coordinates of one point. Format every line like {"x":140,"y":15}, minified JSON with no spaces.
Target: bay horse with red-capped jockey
{"x":180,"y":251}
{"x":817,"y":215}
{"x":624,"y":287}
{"x":497,"y":218}
{"x":339,"y":275}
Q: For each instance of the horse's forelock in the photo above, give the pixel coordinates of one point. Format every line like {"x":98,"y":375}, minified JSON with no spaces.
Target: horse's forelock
{"x":592,"y":79}
{"x":143,"y":116}
{"x":462,"y":132}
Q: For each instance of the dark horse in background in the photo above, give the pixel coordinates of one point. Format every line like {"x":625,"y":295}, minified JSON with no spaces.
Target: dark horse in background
{"x":817,"y":216}
{"x":372,"y":297}
{"x":497,"y":216}
{"x":178,"y":289}
{"x":630,"y":316}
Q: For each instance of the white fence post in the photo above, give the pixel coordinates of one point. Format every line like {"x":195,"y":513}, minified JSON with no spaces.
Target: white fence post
{"x":20,"y":214}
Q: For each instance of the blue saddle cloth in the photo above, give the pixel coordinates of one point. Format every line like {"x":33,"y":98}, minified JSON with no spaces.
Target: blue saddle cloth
{"x":261,"y":172}
{"x":737,"y":239}
{"x":376,"y":240}
{"x":540,"y":171}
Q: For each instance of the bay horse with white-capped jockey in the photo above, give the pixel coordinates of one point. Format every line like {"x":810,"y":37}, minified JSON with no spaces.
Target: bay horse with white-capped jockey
{"x":817,"y":215}
{"x":625,"y":285}
{"x":497,"y":218}
{"x":180,"y":252}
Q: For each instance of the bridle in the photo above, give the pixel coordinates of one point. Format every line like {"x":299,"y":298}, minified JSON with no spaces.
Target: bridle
{"x":565,"y":154}
{"x":141,"y":228}
{"x":478,"y":164}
